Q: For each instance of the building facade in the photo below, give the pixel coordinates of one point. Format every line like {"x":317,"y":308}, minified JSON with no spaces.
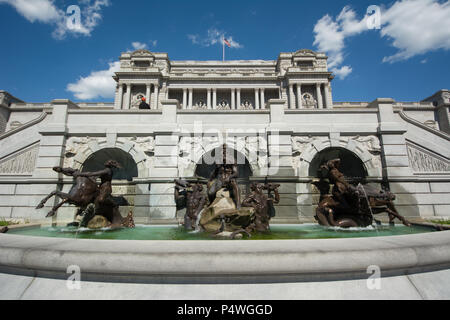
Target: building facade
{"x":278,"y":119}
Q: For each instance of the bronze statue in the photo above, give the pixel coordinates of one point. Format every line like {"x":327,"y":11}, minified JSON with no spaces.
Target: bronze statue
{"x":223,"y":216}
{"x":104,"y":202}
{"x":92,"y":199}
{"x":83,"y":192}
{"x":224,"y":176}
{"x":191,"y":197}
{"x":349,"y":206}
{"x":263,"y":205}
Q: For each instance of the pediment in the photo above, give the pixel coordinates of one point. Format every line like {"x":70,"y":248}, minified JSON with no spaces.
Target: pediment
{"x":141,"y":53}
{"x":305,"y":52}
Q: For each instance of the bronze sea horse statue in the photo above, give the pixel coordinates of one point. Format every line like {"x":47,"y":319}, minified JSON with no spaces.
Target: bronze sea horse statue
{"x":90,"y":198}
{"x":349,"y":206}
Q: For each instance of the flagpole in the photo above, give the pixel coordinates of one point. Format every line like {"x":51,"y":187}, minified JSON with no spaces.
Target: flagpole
{"x":223,"y":47}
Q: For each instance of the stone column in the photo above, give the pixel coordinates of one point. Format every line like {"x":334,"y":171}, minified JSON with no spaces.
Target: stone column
{"x":127,"y":104}
{"x":299,"y":96}
{"x":147,"y":93}
{"x":233,"y":98}
{"x":256,"y":98}
{"x":184,"y":98}
{"x":214,"y":106}
{"x":238,"y":104}
{"x":120,"y":104}
{"x":329,"y":104}
{"x":291,"y":97}
{"x":319,"y":96}
{"x":208,"y":98}
{"x":191,"y":95}
{"x":156,"y":100}
{"x":263,"y":99}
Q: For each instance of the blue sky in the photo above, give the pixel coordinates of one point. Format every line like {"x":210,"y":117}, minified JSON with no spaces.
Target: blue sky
{"x":407,"y":59}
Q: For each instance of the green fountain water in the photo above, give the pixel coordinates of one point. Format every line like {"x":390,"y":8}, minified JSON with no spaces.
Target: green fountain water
{"x":278,"y":232}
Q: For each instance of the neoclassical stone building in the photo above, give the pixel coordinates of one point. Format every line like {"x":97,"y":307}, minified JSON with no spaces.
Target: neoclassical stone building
{"x":278,"y":119}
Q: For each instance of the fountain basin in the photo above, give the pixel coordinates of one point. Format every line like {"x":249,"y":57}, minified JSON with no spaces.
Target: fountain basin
{"x":224,"y":261}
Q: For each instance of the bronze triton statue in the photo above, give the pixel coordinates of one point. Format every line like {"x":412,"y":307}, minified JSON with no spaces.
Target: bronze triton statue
{"x":91,"y":199}
{"x":263,"y":205}
{"x":190,"y":196}
{"x":349,"y":206}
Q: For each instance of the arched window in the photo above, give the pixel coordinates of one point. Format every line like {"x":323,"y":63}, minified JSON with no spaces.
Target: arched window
{"x":351,"y":165}
{"x":96,"y":162}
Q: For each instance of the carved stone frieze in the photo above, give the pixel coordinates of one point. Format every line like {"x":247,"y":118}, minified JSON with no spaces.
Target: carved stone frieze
{"x":423,"y":161}
{"x":22,"y":162}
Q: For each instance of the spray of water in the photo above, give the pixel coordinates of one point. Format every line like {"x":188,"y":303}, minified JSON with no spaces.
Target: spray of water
{"x":368,"y":205}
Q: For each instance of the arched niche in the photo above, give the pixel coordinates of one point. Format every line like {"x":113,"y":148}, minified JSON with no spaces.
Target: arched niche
{"x":96,"y":161}
{"x":207,"y":163}
{"x":351,"y":165}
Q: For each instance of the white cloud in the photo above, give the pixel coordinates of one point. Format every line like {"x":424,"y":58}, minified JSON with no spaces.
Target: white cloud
{"x":343,"y":72}
{"x":36,"y":10}
{"x":139,"y":45}
{"x":99,"y":84}
{"x":45,"y":11}
{"x":330,"y":37}
{"x":414,"y":27}
{"x":213,"y":37}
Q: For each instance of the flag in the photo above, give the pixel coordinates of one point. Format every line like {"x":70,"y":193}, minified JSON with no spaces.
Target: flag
{"x":226,"y":42}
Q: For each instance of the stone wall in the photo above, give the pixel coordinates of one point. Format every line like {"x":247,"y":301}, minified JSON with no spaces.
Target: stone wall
{"x":409,"y":157}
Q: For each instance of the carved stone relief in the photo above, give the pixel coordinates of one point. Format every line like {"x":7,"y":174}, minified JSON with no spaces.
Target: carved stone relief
{"x":76,"y":147}
{"x":223,"y":105}
{"x":15,"y":125}
{"x":370,"y":143}
{"x":367,"y":148}
{"x":308,"y":101}
{"x":22,"y":162}
{"x":424,"y":161}
{"x":300,"y":143}
{"x":254,"y":148}
{"x":136,"y":100}
{"x":200,"y":105}
{"x":246,"y":105}
{"x":144,"y":144}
